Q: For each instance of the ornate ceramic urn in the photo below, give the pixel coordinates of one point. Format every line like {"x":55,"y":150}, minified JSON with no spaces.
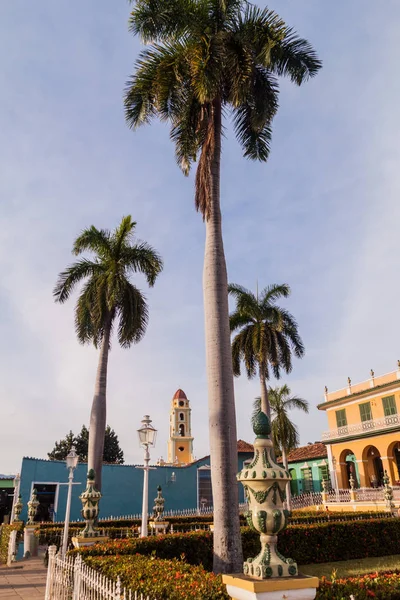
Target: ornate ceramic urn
{"x":388,"y":492}
{"x":32,"y":507}
{"x":18,"y":508}
{"x":158,"y":507}
{"x":90,"y":499}
{"x":264,"y":485}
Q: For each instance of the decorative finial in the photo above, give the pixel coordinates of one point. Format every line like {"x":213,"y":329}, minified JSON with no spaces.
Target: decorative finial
{"x":261,"y":425}
{"x":326,"y":389}
{"x":158,"y":507}
{"x":372,"y":373}
{"x":349,"y":381}
{"x":398,"y":364}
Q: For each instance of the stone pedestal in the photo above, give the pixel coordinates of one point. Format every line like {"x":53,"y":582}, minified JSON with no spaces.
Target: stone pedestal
{"x":82,"y":542}
{"x":242,"y":587}
{"x":160,"y":527}
{"x":31,"y":542}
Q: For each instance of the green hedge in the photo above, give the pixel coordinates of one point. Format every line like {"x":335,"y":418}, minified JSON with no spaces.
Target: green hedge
{"x":5,"y":532}
{"x":318,"y":543}
{"x":195,"y":547}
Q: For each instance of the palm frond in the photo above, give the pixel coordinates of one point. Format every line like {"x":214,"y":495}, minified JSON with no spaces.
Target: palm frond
{"x":273,"y":292}
{"x":295,"y":58}
{"x":159,"y":20}
{"x":93,"y":240}
{"x":142,"y":258}
{"x":133,"y":316}
{"x":74,"y":274}
{"x":294,"y":402}
{"x":253,"y":117}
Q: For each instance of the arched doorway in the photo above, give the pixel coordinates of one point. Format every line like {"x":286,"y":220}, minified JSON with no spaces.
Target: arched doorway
{"x":294,"y":486}
{"x":348,"y":466}
{"x":393,"y":454}
{"x":373,"y":466}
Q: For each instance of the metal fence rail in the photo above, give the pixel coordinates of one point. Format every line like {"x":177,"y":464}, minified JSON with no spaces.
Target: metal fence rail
{"x":70,"y":579}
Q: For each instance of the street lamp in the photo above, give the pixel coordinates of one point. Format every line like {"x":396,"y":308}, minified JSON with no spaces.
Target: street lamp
{"x":147,"y":437}
{"x":71,"y":463}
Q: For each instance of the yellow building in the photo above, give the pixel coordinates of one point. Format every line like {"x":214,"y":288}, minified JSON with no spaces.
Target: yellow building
{"x":180,"y":443}
{"x":364,"y":431}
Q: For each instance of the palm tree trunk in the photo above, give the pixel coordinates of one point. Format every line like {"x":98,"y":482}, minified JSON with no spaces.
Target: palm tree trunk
{"x":221,"y":400}
{"x":98,"y":413}
{"x":265,"y":407}
{"x":288,"y":492}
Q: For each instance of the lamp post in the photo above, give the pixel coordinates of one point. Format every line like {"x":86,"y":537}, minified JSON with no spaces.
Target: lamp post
{"x":147,"y":437}
{"x":71,"y":463}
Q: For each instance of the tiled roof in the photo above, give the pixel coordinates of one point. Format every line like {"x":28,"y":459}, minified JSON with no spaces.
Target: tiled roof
{"x":244,"y":446}
{"x":317,"y":450}
{"x":179,"y":395}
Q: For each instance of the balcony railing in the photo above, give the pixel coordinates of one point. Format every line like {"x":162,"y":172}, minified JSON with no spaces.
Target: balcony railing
{"x":359,"y":428}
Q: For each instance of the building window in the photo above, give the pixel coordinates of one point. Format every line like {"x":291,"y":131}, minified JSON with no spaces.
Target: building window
{"x":182,"y":430}
{"x":324,"y":474}
{"x":365,"y":411}
{"x":308,"y":484}
{"x":341,"y":420}
{"x":204,"y":489}
{"x":181,"y":416}
{"x":389,"y":406}
{"x":181,"y":448}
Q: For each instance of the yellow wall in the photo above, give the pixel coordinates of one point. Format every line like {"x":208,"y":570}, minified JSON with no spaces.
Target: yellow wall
{"x":353,"y":411}
{"x":382,"y":445}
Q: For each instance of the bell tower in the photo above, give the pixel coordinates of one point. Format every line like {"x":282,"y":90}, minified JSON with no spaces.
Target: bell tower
{"x":180,"y":443}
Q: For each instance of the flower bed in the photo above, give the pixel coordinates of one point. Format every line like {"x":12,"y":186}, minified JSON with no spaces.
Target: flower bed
{"x":171,"y":579}
{"x":175,"y":579}
{"x":382,"y":586}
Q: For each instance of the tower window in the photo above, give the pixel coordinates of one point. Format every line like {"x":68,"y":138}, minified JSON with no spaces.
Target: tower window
{"x":181,"y":416}
{"x":181,"y":448}
{"x":182,"y":430}
{"x":181,"y":403}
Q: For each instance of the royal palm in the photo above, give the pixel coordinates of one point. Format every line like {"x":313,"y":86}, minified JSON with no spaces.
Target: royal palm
{"x":284,"y":432}
{"x":206,"y":58}
{"x":108,"y":300}
{"x":266,"y":335}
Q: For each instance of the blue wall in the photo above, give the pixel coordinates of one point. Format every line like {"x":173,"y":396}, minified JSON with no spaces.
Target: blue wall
{"x":314,"y":464}
{"x":122,"y":486}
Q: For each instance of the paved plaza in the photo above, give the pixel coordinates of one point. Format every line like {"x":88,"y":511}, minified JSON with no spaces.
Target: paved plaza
{"x":25,"y":580}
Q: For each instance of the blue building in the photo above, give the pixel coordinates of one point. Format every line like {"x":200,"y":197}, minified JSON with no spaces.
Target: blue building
{"x":184,"y":486}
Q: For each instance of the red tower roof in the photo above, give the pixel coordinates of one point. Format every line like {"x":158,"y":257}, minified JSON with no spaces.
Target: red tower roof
{"x":179,"y":395}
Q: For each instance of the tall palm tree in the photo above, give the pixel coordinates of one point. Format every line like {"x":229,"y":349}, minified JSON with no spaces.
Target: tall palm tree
{"x":284,"y":432}
{"x":206,"y":58}
{"x":108,"y":299}
{"x":267,"y":335}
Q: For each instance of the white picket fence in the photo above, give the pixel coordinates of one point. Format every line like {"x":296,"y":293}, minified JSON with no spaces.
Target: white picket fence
{"x":70,"y":579}
{"x":186,"y":512}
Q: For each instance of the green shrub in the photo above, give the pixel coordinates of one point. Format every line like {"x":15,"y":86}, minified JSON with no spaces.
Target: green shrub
{"x":171,"y":579}
{"x":326,"y":542}
{"x":318,"y":543}
{"x":5,"y":532}
{"x":196,"y":547}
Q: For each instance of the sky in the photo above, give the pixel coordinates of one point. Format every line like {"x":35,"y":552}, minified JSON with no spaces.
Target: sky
{"x":322,"y":215}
